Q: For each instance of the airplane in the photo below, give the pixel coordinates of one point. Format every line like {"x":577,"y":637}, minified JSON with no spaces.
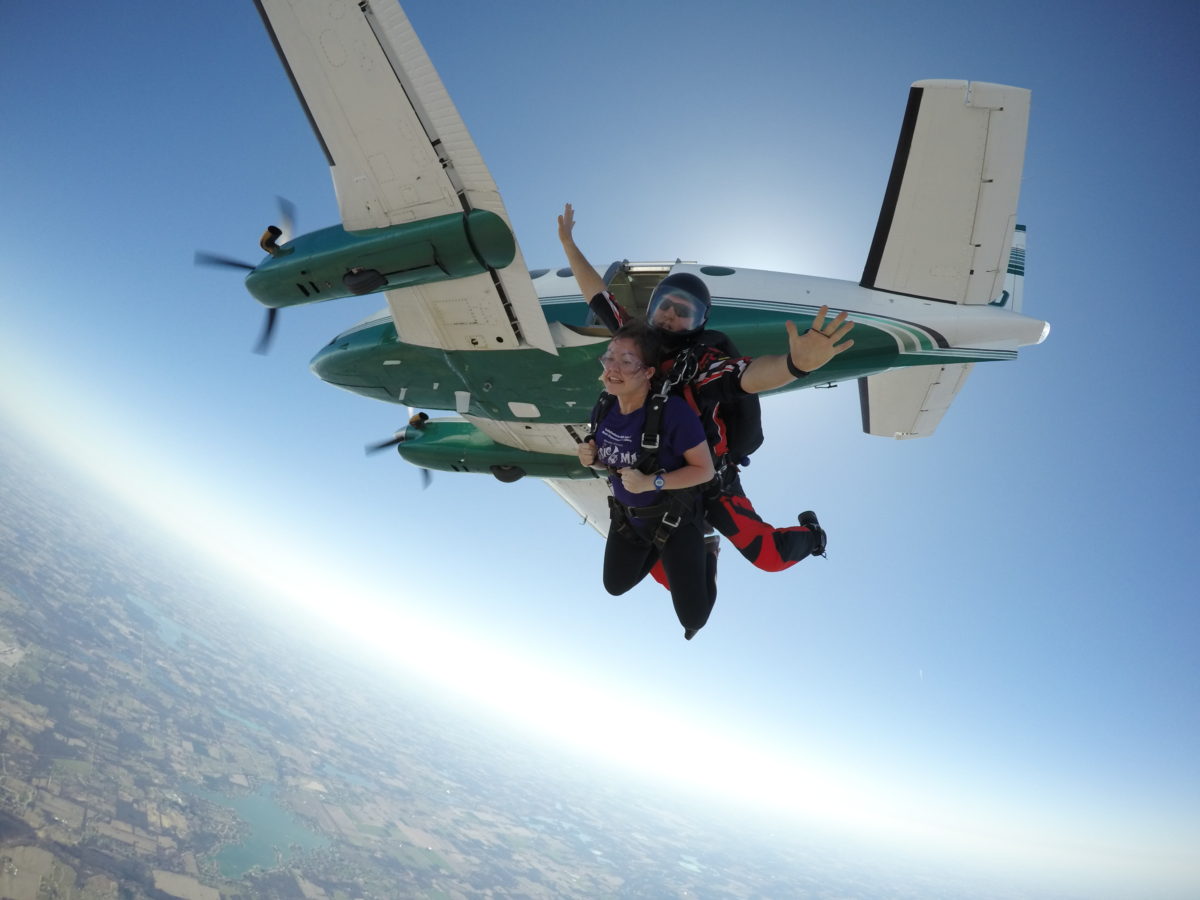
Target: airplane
{"x":512,"y":352}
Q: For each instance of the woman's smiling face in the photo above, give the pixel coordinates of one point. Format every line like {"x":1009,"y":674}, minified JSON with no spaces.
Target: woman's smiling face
{"x":623,"y":368}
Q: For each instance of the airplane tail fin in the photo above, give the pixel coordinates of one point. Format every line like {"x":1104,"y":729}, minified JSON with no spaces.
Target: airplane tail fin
{"x":1014,"y":280}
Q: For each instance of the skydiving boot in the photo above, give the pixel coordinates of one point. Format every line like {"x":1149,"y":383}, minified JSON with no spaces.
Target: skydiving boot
{"x":808,"y":519}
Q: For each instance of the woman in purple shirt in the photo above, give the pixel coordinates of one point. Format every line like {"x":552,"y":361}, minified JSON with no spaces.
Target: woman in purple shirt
{"x":646,"y":504}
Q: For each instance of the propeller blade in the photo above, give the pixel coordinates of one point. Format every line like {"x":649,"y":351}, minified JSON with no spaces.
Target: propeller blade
{"x":383,"y":445}
{"x":415,"y":420}
{"x":287,"y":219}
{"x":264,"y":339}
{"x":212,"y":259}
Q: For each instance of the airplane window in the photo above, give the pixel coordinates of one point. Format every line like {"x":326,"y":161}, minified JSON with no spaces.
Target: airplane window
{"x":565,"y":272}
{"x":716,"y":270}
{"x":538,"y":273}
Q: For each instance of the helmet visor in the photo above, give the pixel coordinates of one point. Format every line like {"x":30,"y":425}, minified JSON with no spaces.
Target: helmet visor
{"x":674,"y":309}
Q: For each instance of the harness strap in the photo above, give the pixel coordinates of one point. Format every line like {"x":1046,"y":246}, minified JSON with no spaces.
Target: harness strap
{"x":618,"y":519}
{"x":684,"y":366}
{"x":650,"y":512}
{"x":676,"y":506}
{"x":671,"y":512}
{"x":599,"y":410}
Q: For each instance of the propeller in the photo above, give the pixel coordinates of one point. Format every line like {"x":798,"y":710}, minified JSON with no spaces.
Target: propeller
{"x":264,"y":339}
{"x":212,"y":259}
{"x":287,"y":219}
{"x":383,"y":445}
{"x":270,"y":241}
{"x":417,"y":421}
{"x":225,"y":262}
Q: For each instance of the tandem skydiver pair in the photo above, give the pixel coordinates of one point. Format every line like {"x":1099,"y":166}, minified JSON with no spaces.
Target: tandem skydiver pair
{"x":677,"y":419}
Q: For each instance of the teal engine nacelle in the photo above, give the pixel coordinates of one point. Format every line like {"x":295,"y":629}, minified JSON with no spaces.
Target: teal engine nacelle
{"x":453,"y":445}
{"x":334,"y":263}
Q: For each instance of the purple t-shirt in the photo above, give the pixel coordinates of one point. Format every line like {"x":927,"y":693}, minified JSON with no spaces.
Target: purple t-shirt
{"x":619,"y":443}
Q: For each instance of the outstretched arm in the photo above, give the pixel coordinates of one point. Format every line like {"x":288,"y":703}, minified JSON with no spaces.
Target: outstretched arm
{"x":808,"y":351}
{"x":590,"y":284}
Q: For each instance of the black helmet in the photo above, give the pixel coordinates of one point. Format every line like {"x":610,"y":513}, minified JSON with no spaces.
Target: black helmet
{"x":682,"y":295}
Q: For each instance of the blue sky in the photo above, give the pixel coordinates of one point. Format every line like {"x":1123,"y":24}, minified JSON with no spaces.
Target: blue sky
{"x":1002,"y":641}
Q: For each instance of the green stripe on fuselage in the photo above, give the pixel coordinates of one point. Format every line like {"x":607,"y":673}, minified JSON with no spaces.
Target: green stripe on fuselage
{"x":372,"y":362}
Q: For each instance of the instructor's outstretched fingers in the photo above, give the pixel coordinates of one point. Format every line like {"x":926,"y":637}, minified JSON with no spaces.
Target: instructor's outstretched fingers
{"x":832,"y":329}
{"x":819,"y":320}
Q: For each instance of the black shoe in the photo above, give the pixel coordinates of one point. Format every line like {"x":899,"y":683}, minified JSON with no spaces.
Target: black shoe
{"x":808,"y":519}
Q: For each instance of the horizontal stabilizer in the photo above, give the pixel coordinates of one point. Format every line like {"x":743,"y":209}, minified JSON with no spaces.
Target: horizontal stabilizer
{"x":950,"y":207}
{"x":909,"y":402}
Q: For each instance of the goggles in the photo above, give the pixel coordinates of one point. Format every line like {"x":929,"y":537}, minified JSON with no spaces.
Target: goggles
{"x":626,"y":362}
{"x":681,"y":308}
{"x":685,"y":309}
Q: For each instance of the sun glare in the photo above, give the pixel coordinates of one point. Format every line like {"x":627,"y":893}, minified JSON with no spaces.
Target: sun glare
{"x":622,"y":730}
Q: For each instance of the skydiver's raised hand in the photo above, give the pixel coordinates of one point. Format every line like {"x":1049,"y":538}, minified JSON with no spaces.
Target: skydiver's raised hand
{"x":817,"y":346}
{"x":590,"y":283}
{"x":566,"y":224}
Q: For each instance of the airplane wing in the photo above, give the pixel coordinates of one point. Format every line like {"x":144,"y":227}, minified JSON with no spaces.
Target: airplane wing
{"x":399,"y":152}
{"x":909,"y":402}
{"x":949,"y":210}
{"x":588,"y":498}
